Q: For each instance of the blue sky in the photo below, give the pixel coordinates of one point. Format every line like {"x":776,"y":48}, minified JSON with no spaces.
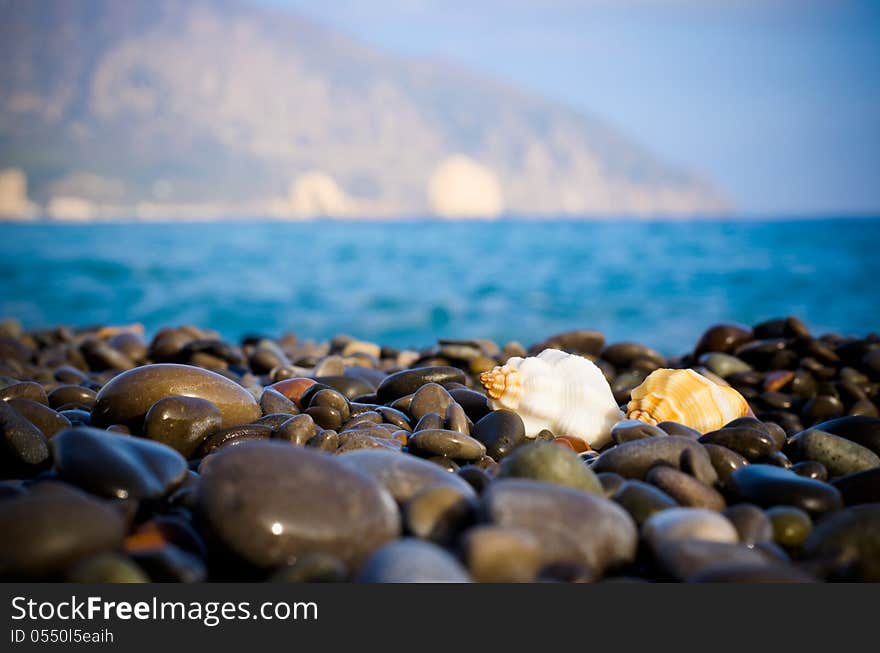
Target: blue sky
{"x":776,"y":101}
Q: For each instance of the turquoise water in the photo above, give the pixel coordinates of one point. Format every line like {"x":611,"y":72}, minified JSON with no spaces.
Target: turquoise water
{"x":409,"y":283}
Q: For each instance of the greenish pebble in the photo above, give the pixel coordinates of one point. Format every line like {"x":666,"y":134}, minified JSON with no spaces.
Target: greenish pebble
{"x":724,"y":364}
{"x":641,"y":500}
{"x":839,"y":455}
{"x":551,"y":463}
{"x":791,"y":526}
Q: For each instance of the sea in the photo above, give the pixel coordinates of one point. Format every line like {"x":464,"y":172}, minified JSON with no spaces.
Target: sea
{"x":410,"y":283}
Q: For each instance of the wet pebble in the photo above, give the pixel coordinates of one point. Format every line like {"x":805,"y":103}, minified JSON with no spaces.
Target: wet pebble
{"x":24,"y":390}
{"x":642,"y":500}
{"x":724,"y":364}
{"x":442,"y":442}
{"x":838,"y":455}
{"x":270,"y":503}
{"x":748,"y":442}
{"x":273,"y":402}
{"x":40,"y":415}
{"x":501,"y":431}
{"x":298,"y":430}
{"x":127,"y":397}
{"x":476,"y":477}
{"x":631,"y":429}
{"x":611,"y":482}
{"x":634,"y":459}
{"x":550,"y":463}
{"x":725,"y":461}
{"x":52,"y":527}
{"x":767,"y":485}
{"x":810,"y":469}
{"x":722,"y":338}
{"x":438,"y":514}
{"x":233,"y":436}
{"x":570,"y":525}
{"x":117,"y":466}
{"x":326,"y":440}
{"x":182,"y":423}
{"x":685,"y":489}
{"x":674,"y":428}
{"x":326,"y":417}
{"x":429,"y":398}
{"x":407,"y":382}
{"x":475,"y":404}
{"x":791,"y":526}
{"x":72,"y":394}
{"x":499,"y":554}
{"x":456,"y":419}
{"x":25,"y":447}
{"x":688,"y":524}
{"x":751,"y":523}
{"x":859,"y":429}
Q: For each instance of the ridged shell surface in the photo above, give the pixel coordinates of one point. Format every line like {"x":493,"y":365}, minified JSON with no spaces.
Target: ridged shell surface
{"x":686,"y":397}
{"x":564,"y":393}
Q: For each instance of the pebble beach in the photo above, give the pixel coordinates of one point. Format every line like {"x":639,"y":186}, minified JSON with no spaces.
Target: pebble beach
{"x":179,"y":456}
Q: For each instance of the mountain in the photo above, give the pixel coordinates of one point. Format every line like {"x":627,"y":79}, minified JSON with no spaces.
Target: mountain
{"x":209,"y":108}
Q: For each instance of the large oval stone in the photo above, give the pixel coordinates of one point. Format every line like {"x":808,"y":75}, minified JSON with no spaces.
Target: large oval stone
{"x":406,"y":382}
{"x":570,"y":525}
{"x":635,"y":458}
{"x":688,"y":524}
{"x":840,"y":456}
{"x":23,"y":447}
{"x":49,"y":528}
{"x":126,"y":398}
{"x":270,"y":503}
{"x":768,"y":485}
{"x":860,"y":429}
{"x":117,"y":466}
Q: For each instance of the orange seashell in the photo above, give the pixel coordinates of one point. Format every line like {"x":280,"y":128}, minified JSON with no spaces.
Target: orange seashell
{"x":685,"y":397}
{"x":294,"y":388}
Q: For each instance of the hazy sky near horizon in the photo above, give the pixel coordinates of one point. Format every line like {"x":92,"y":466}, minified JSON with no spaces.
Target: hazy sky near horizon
{"x":778,"y":102}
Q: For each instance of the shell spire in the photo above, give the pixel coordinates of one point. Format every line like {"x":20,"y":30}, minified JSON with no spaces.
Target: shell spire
{"x":564,"y":393}
{"x":503,"y":384}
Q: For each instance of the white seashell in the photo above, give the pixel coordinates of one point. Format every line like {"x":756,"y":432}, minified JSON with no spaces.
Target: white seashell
{"x":564,"y":393}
